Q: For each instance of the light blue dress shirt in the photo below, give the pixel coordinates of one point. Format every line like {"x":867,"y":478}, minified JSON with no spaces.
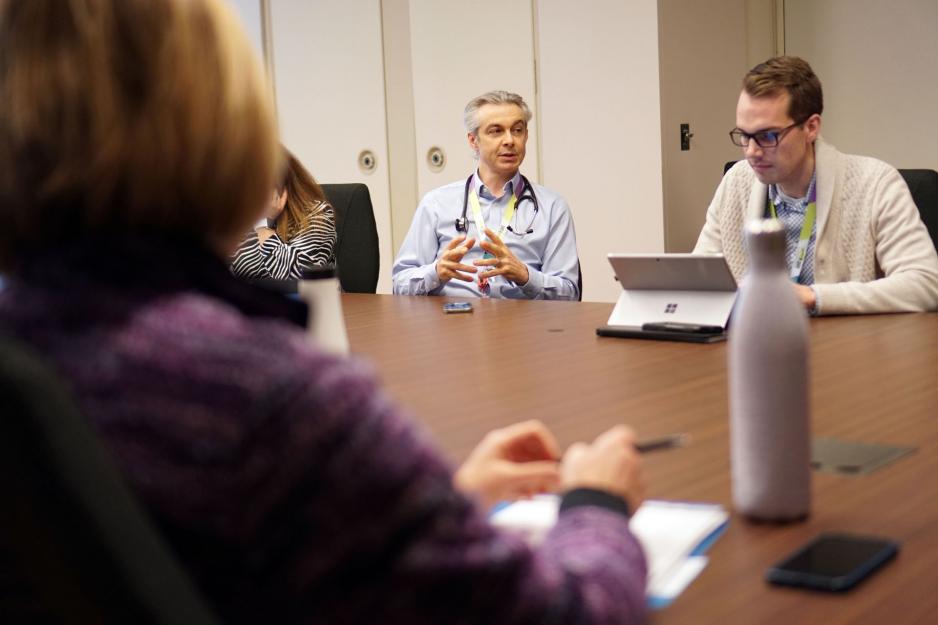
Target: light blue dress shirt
{"x":791,"y":212}
{"x":549,"y":251}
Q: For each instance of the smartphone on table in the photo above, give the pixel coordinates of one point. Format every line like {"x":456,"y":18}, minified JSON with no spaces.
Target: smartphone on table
{"x":834,"y":562}
{"x":457,"y":307}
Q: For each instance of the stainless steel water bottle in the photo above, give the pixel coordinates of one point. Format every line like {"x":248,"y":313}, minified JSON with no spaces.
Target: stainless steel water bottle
{"x":770,"y":433}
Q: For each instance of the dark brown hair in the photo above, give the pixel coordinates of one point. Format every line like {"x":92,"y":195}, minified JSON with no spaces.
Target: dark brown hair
{"x":791,"y":75}
{"x":123,"y":116}
{"x":305,"y":199}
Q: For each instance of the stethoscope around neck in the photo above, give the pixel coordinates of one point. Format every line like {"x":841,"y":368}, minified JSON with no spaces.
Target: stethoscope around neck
{"x":527,"y":193}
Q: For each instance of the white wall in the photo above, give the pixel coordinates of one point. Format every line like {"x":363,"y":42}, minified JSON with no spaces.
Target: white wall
{"x":878,"y":63}
{"x":600,"y":127}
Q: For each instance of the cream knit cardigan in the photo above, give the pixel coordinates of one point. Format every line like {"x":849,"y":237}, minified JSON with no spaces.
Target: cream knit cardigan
{"x":873,"y":252}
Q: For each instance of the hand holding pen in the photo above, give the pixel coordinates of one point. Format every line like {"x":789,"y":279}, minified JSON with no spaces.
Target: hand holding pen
{"x":612,"y":463}
{"x":524,"y":459}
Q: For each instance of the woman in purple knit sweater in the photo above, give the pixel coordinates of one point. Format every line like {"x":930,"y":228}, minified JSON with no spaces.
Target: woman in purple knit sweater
{"x":137,"y":144}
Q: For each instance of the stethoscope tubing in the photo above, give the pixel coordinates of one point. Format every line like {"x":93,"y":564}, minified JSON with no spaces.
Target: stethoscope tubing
{"x":527,"y":193}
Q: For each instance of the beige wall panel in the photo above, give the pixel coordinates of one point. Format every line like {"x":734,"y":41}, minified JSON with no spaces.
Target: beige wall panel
{"x":878,"y":62}
{"x":600,"y":127}
{"x":399,"y":90}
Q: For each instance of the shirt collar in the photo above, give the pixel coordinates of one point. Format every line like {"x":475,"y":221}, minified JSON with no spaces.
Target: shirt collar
{"x":513,"y":185}
{"x":779,"y":198}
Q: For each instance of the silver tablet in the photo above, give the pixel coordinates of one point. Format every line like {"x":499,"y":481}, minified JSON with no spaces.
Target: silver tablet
{"x":673,"y":272}
{"x":672,"y":289}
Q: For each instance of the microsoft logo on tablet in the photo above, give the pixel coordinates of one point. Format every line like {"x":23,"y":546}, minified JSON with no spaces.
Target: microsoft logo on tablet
{"x":670,"y":309}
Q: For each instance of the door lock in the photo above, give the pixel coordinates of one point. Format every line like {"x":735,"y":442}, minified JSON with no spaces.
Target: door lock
{"x":686,"y":136}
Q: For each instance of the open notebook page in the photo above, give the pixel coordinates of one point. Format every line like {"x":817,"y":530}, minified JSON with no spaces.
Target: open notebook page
{"x":669,"y":532}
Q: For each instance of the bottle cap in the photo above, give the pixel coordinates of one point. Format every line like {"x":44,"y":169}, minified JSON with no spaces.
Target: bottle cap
{"x":765,"y":239}
{"x":764,"y":226}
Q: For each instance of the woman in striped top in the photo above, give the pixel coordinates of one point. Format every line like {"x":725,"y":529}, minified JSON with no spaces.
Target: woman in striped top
{"x":297,"y":233}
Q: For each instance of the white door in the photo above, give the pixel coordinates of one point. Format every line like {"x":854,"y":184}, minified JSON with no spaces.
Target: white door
{"x":329,"y":77}
{"x":461,"y":50}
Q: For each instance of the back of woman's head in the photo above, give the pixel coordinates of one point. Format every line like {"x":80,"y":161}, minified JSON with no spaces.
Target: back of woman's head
{"x":305,"y":199}
{"x":129,"y":116}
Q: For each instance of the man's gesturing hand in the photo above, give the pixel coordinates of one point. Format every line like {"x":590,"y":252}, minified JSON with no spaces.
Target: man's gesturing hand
{"x":504,"y":264}
{"x":450,"y":266}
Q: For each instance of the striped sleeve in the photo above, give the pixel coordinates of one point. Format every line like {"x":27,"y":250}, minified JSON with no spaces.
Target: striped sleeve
{"x":247,"y":261}
{"x":279,"y":260}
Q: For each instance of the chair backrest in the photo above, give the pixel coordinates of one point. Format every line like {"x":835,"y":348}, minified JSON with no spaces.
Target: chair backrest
{"x":356,"y":251}
{"x":71,"y":533}
{"x":923,"y":184}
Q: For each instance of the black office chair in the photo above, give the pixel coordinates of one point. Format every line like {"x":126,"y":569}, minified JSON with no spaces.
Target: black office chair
{"x":923,"y":185}
{"x":75,"y":546}
{"x":357,"y":258}
{"x":356,"y":251}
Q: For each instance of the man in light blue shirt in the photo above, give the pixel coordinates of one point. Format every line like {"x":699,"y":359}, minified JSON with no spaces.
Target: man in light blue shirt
{"x":526,"y":243}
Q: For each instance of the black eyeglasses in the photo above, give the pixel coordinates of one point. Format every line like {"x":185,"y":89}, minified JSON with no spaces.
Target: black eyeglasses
{"x":763,"y":138}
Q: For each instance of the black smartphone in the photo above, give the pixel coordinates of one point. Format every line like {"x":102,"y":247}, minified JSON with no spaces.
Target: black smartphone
{"x":834,"y":562}
{"x":675,"y":326}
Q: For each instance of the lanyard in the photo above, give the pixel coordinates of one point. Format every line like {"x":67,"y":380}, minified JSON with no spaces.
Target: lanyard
{"x":508,"y":213}
{"x":807,"y":226}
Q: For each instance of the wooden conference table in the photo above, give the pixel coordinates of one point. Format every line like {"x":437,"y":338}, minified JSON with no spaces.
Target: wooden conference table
{"x":873,"y":379}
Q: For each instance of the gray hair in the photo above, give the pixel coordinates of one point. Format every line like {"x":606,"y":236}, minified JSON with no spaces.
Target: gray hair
{"x":471,"y":114}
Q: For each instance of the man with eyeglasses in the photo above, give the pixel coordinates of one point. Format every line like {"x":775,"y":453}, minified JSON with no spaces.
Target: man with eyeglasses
{"x":495,"y":234}
{"x":855,"y":240}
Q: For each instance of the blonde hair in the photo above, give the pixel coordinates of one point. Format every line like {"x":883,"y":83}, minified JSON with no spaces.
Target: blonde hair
{"x":306,"y":202}
{"x":122,"y":116}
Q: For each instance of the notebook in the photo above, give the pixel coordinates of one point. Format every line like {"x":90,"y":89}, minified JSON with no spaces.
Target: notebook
{"x":673,"y":534}
{"x":689,"y":296}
